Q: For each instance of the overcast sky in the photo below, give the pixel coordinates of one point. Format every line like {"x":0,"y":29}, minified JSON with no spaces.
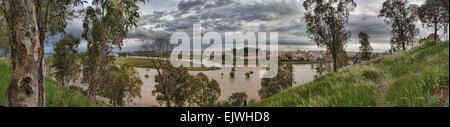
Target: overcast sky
{"x":161,"y":17}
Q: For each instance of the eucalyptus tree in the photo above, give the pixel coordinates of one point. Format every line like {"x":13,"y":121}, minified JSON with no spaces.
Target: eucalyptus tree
{"x":29,"y":23}
{"x":65,"y":60}
{"x":203,"y":92}
{"x":365,"y":48}
{"x":124,"y":85}
{"x":172,"y":86}
{"x":325,"y":21}
{"x":282,"y":81}
{"x":238,"y":99}
{"x":434,"y":14}
{"x":402,"y":18}
{"x":105,"y":25}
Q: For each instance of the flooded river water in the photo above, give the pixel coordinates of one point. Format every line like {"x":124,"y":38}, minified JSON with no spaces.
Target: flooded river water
{"x":303,"y":73}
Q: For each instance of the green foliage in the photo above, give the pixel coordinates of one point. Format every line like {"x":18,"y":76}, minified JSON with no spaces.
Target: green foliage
{"x":232,"y":74}
{"x":65,"y":61}
{"x":105,"y":26}
{"x":320,"y":70}
{"x":118,"y":17}
{"x":402,"y":18}
{"x":430,"y":39}
{"x":176,"y":87}
{"x":248,"y":74}
{"x":409,"y":78}
{"x":282,"y":81}
{"x":57,"y":95}
{"x":437,"y":78}
{"x":172,"y":86}
{"x":434,"y":14}
{"x":365,"y":49}
{"x":238,"y":99}
{"x":342,"y":59}
{"x":326,"y":23}
{"x":96,"y":60}
{"x":122,"y":85}
{"x":55,"y":18}
{"x":203,"y":92}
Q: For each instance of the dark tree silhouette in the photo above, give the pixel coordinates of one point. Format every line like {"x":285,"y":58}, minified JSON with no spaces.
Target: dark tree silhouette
{"x":365,"y":48}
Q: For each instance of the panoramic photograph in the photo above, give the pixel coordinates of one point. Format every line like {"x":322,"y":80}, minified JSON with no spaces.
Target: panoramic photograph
{"x":224,"y":53}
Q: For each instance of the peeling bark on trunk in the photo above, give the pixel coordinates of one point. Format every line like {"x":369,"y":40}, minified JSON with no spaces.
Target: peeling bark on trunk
{"x":26,"y":81}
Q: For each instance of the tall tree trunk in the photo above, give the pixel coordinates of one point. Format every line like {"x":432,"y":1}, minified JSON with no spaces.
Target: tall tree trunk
{"x":43,"y":25}
{"x":92,"y":90}
{"x":334,"y":61}
{"x":435,"y":34}
{"x":26,"y":81}
{"x":404,"y":46}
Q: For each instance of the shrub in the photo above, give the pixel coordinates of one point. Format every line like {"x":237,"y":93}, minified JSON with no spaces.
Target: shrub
{"x":232,"y":74}
{"x":247,"y":75}
{"x":238,"y":99}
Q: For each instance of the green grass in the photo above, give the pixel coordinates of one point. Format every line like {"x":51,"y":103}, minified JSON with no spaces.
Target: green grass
{"x":411,"y":91}
{"x":56,"y":94}
{"x":406,"y":79}
{"x":146,"y":63}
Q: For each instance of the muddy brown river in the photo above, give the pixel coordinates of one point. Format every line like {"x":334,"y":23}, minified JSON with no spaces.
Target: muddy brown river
{"x":303,"y":73}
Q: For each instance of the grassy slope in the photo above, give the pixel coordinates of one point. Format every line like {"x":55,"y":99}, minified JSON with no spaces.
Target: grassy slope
{"x":56,"y":94}
{"x":146,"y":63}
{"x":405,"y":79}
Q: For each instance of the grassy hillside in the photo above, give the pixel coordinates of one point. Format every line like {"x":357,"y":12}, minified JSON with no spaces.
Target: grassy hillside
{"x":418,"y":77}
{"x":56,"y":95}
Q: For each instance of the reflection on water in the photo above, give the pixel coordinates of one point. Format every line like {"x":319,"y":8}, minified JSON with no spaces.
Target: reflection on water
{"x":302,"y":73}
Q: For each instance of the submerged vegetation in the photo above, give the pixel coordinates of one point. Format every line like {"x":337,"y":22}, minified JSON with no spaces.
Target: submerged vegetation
{"x":417,"y":77}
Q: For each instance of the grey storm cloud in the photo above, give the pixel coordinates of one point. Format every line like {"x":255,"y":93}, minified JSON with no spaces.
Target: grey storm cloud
{"x":283,"y":16}
{"x":156,"y":17}
{"x":369,"y":24}
{"x":147,"y":34}
{"x":162,"y":17}
{"x":226,"y":16}
{"x":222,"y":15}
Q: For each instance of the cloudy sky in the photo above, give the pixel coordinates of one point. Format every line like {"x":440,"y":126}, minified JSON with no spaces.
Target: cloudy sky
{"x":162,"y":17}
